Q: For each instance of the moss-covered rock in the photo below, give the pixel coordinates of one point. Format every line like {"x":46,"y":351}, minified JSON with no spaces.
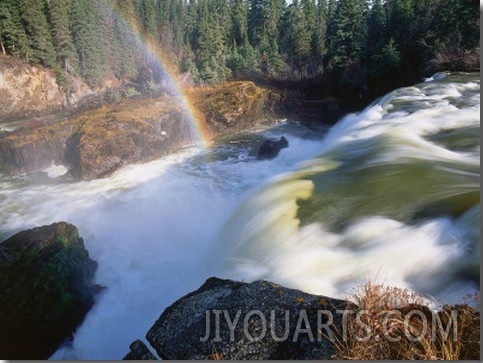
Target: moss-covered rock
{"x":46,"y":283}
{"x":234,"y":106}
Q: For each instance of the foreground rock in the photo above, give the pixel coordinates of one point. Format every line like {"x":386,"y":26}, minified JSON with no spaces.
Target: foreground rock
{"x":270,"y":148}
{"x":225,"y":319}
{"x":46,"y":290}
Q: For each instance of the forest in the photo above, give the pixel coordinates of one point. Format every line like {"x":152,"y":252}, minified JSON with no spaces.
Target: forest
{"x":352,"y":48}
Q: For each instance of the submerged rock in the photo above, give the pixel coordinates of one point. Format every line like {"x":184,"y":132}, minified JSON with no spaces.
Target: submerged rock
{"x":46,"y":283}
{"x":225,"y":319}
{"x":270,"y":148}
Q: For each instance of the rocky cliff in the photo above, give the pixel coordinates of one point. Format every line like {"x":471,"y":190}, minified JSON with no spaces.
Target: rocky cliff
{"x":27,"y":90}
{"x":46,"y":283}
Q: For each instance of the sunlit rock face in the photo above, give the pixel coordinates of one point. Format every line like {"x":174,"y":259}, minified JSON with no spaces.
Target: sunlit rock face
{"x":27,"y":90}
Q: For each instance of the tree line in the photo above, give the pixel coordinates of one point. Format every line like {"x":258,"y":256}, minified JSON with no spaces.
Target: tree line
{"x":358,"y":47}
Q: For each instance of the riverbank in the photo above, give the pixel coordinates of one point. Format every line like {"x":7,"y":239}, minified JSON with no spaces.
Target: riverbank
{"x":95,"y":143}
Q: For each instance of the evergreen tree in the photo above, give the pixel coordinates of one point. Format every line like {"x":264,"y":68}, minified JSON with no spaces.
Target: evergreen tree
{"x":149,"y":18}
{"x":456,"y":23}
{"x":212,"y":48}
{"x":37,"y":29}
{"x":401,"y":27}
{"x":296,"y":39}
{"x":127,"y":54}
{"x":86,"y":31}
{"x":377,"y":39}
{"x":350,"y":32}
{"x":347,"y":48}
{"x":239,"y":20}
{"x":348,"y":41}
{"x":13,"y":37}
{"x":319,"y":36}
{"x":64,"y":44}
{"x":331,"y":16}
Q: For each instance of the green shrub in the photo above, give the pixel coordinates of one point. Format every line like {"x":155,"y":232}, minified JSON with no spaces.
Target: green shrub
{"x":113,"y":95}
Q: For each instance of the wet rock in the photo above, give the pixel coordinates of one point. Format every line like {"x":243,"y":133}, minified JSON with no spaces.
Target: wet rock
{"x":139,"y":351}
{"x":270,"y":148}
{"x":226,"y":319}
{"x":46,"y":283}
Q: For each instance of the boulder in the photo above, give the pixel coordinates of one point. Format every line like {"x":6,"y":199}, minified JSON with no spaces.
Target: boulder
{"x":226,"y":319}
{"x":46,"y":283}
{"x":270,"y":148}
{"x":234,"y":106}
{"x":139,"y":351}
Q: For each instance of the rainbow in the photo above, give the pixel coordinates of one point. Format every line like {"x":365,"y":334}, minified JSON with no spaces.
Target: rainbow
{"x":153,"y":52}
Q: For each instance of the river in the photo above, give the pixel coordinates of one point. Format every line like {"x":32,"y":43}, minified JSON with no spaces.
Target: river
{"x":390,"y":194}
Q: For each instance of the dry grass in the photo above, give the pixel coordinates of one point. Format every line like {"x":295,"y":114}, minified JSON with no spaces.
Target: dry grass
{"x":393,"y":323}
{"x":454,"y":58}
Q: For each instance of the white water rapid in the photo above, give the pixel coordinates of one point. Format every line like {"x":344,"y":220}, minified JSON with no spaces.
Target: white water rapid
{"x":390,"y":194}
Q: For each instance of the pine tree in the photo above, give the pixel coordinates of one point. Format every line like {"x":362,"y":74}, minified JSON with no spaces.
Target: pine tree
{"x":13,"y":37}
{"x":126,"y":49}
{"x":319,"y":36}
{"x":377,"y":39}
{"x":37,"y":29}
{"x":239,"y":20}
{"x":64,"y":44}
{"x":297,"y":39}
{"x":212,"y":47}
{"x":350,"y":33}
{"x":331,"y":16}
{"x":149,"y":18}
{"x":86,"y":31}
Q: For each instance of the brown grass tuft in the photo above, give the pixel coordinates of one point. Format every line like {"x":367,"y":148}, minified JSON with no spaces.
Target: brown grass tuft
{"x":394,"y":323}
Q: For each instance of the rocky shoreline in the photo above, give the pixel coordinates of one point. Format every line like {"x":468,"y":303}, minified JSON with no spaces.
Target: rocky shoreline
{"x":93,"y":138}
{"x":93,"y":144}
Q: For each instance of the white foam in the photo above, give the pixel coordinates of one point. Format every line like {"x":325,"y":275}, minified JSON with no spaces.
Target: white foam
{"x":54,"y":171}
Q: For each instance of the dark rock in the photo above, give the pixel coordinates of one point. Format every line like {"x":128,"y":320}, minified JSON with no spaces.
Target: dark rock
{"x":269,"y":322}
{"x":139,"y":351}
{"x":270,"y":148}
{"x":46,"y":283}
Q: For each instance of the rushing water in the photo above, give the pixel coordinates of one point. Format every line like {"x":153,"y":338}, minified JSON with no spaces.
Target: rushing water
{"x":389,"y":194}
